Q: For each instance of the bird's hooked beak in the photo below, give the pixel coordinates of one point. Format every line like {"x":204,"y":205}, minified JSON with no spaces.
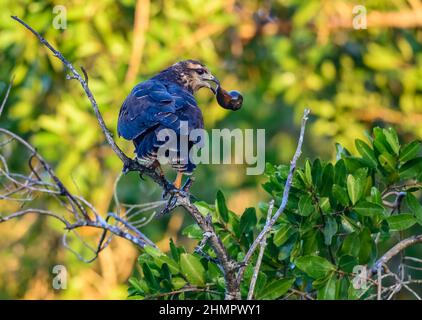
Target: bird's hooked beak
{"x":211,"y":78}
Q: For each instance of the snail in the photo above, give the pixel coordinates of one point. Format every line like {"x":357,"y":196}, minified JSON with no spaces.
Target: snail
{"x":229,"y":100}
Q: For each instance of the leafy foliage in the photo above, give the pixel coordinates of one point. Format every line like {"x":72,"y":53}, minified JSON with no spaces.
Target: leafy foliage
{"x":338,"y":216}
{"x":282,"y":55}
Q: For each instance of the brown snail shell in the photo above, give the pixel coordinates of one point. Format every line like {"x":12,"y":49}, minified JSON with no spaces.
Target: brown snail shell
{"x":229,"y":100}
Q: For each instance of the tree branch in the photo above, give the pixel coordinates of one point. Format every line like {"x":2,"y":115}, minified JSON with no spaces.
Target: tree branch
{"x":268,"y":227}
{"x":177,"y":198}
{"x":398,"y":248}
{"x":263,"y":244}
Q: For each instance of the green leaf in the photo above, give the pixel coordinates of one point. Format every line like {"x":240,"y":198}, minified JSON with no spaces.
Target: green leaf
{"x":347,"y":263}
{"x":392,"y":139}
{"x":160,"y":258}
{"x":261,"y":281}
{"x":328,"y":291}
{"x":283,"y":234}
{"x":376,"y":196}
{"x":154,"y":252}
{"x":366,"y":246}
{"x":172,"y":264}
{"x":178,"y":283}
{"x":340,"y":173}
{"x":410,"y":151}
{"x":366,"y":152}
{"x":342,"y":286}
{"x":193,"y":231}
{"x":325,"y":206}
{"x":380,"y":141}
{"x":204,"y":208}
{"x":248,"y":220}
{"x":388,"y":162}
{"x":174,"y":251}
{"x":275,"y":289}
{"x":414,"y":206}
{"x":308,"y":172}
{"x":368,"y":209}
{"x":314,"y":266}
{"x":330,"y":229}
{"x":317,"y":173}
{"x":305,"y":206}
{"x":411,"y":168}
{"x":351,"y":245}
{"x":340,"y":195}
{"x":220,"y":204}
{"x":139,"y":285}
{"x":354,"y":188}
{"x":348,"y":224}
{"x":327,"y":180}
{"x":310,"y":243}
{"x":401,"y":221}
{"x":192,"y":269}
{"x":149,"y":277}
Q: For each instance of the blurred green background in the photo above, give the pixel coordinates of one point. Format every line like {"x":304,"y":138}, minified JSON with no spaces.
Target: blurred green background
{"x":282,"y":55}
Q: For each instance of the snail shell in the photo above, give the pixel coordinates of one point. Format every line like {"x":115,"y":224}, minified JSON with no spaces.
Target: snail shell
{"x":229,"y":100}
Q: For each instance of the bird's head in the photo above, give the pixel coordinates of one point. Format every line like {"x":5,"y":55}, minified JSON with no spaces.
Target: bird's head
{"x":194,"y":75}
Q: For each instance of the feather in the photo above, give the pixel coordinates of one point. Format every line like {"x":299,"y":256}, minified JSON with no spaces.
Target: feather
{"x":153,"y":105}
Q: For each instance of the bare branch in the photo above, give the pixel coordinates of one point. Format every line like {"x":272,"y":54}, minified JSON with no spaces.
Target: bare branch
{"x":398,"y":248}
{"x":263,"y":244}
{"x":6,"y":96}
{"x":177,"y":197}
{"x":287,"y":186}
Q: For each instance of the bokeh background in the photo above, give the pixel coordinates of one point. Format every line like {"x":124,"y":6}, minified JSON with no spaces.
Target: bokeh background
{"x":282,"y":55}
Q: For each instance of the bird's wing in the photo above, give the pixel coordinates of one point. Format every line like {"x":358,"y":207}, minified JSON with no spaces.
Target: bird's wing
{"x":150,"y":104}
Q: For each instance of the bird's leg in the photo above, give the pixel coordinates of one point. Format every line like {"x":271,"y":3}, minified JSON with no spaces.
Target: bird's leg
{"x":157,"y":165}
{"x":178,"y":182}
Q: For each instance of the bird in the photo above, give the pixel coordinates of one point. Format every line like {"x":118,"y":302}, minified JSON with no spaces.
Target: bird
{"x":163,"y":102}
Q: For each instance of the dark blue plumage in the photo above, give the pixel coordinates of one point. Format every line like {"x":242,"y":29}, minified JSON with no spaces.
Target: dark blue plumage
{"x":163,"y":102}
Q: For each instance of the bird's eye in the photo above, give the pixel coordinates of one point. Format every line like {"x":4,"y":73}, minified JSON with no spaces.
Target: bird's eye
{"x":200,"y":71}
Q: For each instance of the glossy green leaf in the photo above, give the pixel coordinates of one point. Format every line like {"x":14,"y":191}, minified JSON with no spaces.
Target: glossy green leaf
{"x":351,"y":245}
{"x":348,"y":224}
{"x":347,"y":263}
{"x":411,"y":168}
{"x":410,"y":151}
{"x":220,"y":204}
{"x":276,"y":289}
{"x":340,"y":194}
{"x":401,"y":221}
{"x":368,"y":209}
{"x":178,"y":283}
{"x":193,"y":231}
{"x":308,"y":172}
{"x":149,"y":277}
{"x":306,"y":206}
{"x":354,"y":188}
{"x":376,"y":196}
{"x":314,"y":266}
{"x":328,"y":291}
{"x":366,"y":246}
{"x":330,"y":229}
{"x":414,"y":206}
{"x":366,"y":152}
{"x":388,"y":162}
{"x":283,"y":234}
{"x":192,"y":269}
{"x":392,"y":139}
{"x":174,"y":251}
{"x":248,"y":220}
